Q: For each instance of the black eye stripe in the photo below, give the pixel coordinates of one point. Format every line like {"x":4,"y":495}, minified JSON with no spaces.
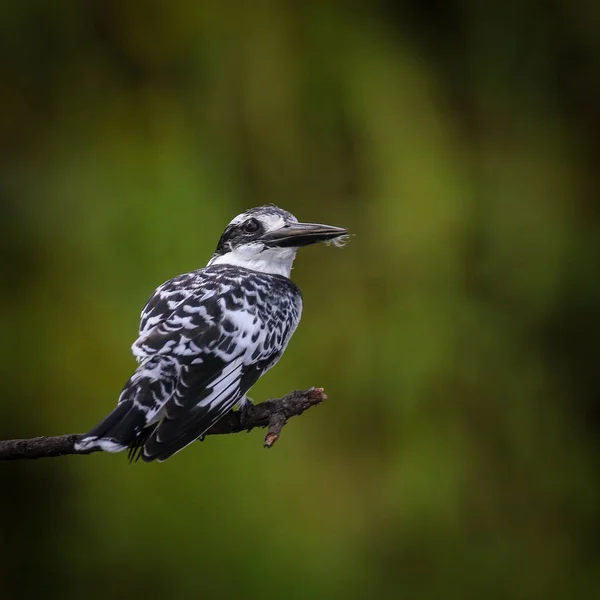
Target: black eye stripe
{"x":240,"y":233}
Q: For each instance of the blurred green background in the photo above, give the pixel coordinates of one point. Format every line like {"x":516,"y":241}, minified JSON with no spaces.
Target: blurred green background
{"x":456,"y":335}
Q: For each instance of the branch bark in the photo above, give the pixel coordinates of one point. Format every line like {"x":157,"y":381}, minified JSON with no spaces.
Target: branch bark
{"x":273,"y":414}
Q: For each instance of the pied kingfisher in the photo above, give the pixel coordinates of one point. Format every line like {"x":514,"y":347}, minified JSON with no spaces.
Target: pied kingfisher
{"x":207,"y":336}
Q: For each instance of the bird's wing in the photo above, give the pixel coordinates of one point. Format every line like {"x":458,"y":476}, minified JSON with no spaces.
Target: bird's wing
{"x":197,"y":405}
{"x":219,"y":345}
{"x":168,"y":296}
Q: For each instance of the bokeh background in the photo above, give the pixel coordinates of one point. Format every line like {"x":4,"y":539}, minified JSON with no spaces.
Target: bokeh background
{"x":456,"y":335}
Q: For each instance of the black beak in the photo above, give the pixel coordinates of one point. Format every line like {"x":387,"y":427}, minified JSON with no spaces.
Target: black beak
{"x":295,"y":235}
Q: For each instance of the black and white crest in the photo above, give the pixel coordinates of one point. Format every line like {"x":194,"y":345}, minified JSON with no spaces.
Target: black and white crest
{"x":207,"y":336}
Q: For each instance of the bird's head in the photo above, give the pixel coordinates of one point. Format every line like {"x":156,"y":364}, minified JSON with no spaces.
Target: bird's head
{"x":267,"y":238}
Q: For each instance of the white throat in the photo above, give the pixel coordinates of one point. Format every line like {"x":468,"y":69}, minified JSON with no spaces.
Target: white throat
{"x":274,"y":261}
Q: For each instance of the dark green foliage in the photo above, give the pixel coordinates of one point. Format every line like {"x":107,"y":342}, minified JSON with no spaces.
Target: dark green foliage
{"x":456,"y":335}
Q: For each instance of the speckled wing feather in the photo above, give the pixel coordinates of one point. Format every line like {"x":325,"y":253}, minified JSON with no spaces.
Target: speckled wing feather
{"x":225,"y":328}
{"x":205,"y":338}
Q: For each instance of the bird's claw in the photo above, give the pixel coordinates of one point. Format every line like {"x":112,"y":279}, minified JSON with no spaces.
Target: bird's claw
{"x":245,"y":408}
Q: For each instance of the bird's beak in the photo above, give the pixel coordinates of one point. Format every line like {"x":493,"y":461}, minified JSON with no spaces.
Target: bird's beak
{"x":294,"y":235}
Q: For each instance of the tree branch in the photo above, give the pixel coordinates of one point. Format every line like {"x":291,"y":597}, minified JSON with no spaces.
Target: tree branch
{"x":273,"y":414}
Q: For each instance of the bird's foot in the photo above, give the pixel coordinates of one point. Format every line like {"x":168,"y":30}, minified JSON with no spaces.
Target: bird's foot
{"x":245,"y":406}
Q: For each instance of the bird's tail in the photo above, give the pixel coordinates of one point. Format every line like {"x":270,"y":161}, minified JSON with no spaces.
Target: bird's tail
{"x":123,"y":428}
{"x":130,"y":424}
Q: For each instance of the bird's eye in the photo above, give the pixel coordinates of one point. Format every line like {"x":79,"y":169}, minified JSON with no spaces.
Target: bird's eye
{"x":251,"y":226}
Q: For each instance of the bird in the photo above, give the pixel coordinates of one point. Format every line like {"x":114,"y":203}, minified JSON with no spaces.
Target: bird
{"x":207,"y":336}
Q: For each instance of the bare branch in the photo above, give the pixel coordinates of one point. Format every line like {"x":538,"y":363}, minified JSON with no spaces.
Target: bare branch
{"x":273,"y":414}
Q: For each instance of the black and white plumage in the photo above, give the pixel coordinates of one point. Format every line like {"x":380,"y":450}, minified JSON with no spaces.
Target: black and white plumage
{"x":207,"y":336}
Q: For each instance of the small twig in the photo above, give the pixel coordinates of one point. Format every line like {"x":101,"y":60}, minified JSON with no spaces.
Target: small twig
{"x":273,"y":414}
